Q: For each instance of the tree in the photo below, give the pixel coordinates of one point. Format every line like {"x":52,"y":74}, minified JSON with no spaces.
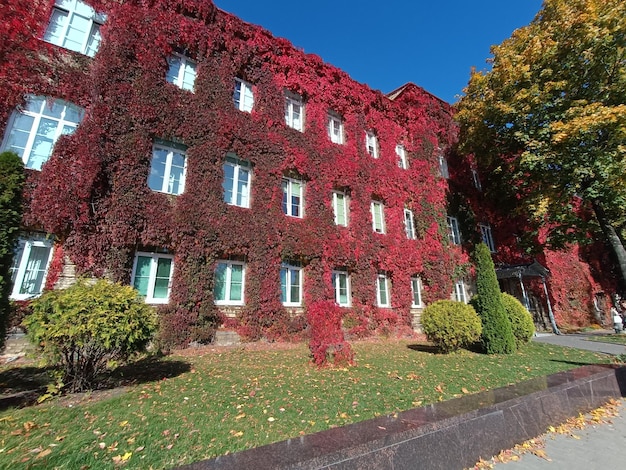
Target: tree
{"x":497,"y":335}
{"x":85,"y":326}
{"x":548,"y":121}
{"x":11,"y":184}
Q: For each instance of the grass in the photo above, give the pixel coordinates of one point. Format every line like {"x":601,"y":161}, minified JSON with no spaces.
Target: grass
{"x":186,"y":408}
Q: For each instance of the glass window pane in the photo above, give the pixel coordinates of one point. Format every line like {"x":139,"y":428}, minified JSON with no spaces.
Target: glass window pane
{"x":295,"y":285}
{"x":228,"y":183}
{"x":76,"y":33}
{"x":236,"y":282}
{"x":219,"y":288}
{"x":18,"y":138}
{"x":35,"y":271}
{"x":243,"y":189}
{"x":157,"y":170}
{"x":283,"y":284}
{"x":142,"y":274}
{"x":285,"y":196}
{"x":55,"y":29}
{"x":162,"y":279}
{"x":174,"y":69}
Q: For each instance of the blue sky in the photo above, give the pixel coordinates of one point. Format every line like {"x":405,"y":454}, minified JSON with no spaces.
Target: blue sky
{"x":385,"y":44}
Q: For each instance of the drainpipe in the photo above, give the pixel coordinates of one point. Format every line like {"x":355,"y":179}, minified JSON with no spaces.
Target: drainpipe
{"x":524,"y":295}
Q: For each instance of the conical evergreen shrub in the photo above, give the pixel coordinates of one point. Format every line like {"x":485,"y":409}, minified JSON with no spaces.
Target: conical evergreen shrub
{"x":497,"y":336}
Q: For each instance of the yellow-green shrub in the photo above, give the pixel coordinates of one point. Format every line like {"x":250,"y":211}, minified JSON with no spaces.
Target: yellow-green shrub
{"x":82,"y":328}
{"x":521,"y":319}
{"x":451,"y":325}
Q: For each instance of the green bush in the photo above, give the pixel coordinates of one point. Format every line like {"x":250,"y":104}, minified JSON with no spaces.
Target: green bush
{"x":451,"y":325}
{"x":497,"y":336}
{"x":521,"y":319}
{"x":11,"y":184}
{"x":82,"y":328}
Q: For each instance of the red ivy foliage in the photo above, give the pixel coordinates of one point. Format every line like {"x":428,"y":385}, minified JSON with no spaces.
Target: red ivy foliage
{"x":93,"y":193}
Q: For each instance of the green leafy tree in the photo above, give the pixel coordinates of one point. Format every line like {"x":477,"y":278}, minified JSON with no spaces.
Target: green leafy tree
{"x":82,"y":328}
{"x":11,"y":184}
{"x":497,"y":336}
{"x":548,"y":121}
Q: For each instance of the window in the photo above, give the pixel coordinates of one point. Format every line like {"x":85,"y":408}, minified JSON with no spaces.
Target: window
{"x":34,"y":128}
{"x":169,"y":165}
{"x":291,"y":285}
{"x":74,"y":25}
{"x":152,"y":276}
{"x":416,"y":290}
{"x":409,"y":224}
{"x":378,"y":216}
{"x":476,"y":179}
{"x":236,"y":181}
{"x":487,"y":236}
{"x":382,"y":291}
{"x":341,"y":205}
{"x":30,"y":266}
{"x":459,"y":291}
{"x":294,"y":111}
{"x":181,"y":72}
{"x":243,"y":97}
{"x":293,"y":199}
{"x":453,"y":231}
{"x":229,"y":281}
{"x":443,"y":167}
{"x":371,"y":144}
{"x":341,"y":283}
{"x":401,"y":153}
{"x":334,"y":126}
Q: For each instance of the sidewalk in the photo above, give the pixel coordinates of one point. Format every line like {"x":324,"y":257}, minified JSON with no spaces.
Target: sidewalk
{"x":597,"y":446}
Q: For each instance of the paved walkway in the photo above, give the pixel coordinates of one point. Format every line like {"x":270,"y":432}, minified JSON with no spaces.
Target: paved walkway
{"x":598,"y":446}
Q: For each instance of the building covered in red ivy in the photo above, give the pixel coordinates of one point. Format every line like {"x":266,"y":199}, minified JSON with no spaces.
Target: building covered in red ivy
{"x":231,"y":178}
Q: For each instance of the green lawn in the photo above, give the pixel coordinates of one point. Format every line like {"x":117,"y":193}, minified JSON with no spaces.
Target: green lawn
{"x":187,"y":408}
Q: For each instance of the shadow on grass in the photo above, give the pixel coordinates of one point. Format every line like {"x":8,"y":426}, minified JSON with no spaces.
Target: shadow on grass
{"x":432,"y":349}
{"x":22,"y":386}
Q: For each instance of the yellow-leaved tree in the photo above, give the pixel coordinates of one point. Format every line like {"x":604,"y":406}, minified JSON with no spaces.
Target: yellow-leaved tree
{"x":548,"y":121}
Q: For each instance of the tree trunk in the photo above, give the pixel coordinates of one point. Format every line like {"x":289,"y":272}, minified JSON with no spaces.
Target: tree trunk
{"x":613,"y":238}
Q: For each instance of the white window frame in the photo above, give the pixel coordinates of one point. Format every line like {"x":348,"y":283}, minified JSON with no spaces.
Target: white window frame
{"x":476,"y":179}
{"x":487,"y":236}
{"x":371,"y":144}
{"x":337,"y":275}
{"x":171,"y":148}
{"x":294,"y":102}
{"x":378,"y":207}
{"x":416,"y":291}
{"x":238,"y":198}
{"x":334,"y":128}
{"x":409,"y":224}
{"x":459,"y":292}
{"x":287,"y":196}
{"x":453,"y":230}
{"x":38,"y":108}
{"x":402,"y":160}
{"x":187,"y":66}
{"x":154,"y":261}
{"x":20,"y":269}
{"x":246,"y":96}
{"x":289,"y":269}
{"x":229,"y":267}
{"x":337,"y":195}
{"x":71,"y":10}
{"x":443,"y":167}
{"x":382,"y":286}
